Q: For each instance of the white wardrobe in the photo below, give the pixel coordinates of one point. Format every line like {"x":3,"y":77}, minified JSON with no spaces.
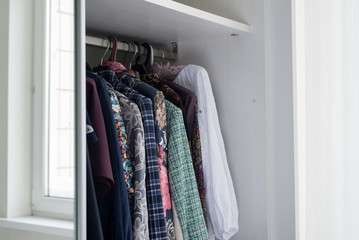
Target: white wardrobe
{"x":245,"y":45}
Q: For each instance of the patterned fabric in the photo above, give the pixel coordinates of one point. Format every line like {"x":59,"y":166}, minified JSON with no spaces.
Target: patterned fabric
{"x":159,"y":109}
{"x":169,"y":93}
{"x":122,"y":136}
{"x":182,"y":178}
{"x":136,"y":141}
{"x":189,"y":100}
{"x":157,"y":222}
{"x":168,"y":72}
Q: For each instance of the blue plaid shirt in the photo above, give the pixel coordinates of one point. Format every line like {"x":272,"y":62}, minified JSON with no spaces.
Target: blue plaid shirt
{"x":157,"y":223}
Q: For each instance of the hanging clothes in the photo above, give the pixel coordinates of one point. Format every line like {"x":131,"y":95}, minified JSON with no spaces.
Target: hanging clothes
{"x":159,"y":110}
{"x":168,"y":72}
{"x":221,"y":199}
{"x":136,"y":140}
{"x":93,"y":223}
{"x":182,"y":178}
{"x":189,"y":101}
{"x":99,"y":152}
{"x":157,"y":222}
{"x":113,"y":206}
{"x":169,"y":93}
{"x":111,"y":62}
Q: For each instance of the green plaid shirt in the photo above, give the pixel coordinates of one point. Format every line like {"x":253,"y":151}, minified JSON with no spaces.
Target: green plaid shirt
{"x":182,"y":178}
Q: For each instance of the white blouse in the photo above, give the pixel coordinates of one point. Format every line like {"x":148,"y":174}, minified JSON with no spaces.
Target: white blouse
{"x":220,"y":196}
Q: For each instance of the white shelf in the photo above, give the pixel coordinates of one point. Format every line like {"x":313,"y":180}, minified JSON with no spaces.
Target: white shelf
{"x":159,"y":21}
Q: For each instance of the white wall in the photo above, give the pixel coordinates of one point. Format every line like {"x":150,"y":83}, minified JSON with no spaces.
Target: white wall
{"x":238,"y":82}
{"x":332,"y":115}
{"x":16,"y":107}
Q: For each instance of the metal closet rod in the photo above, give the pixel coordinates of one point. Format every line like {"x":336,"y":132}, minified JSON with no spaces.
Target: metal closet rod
{"x":123,"y":46}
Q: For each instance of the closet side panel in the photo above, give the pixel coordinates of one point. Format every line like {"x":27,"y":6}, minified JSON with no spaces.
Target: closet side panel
{"x":4,"y":105}
{"x":236,"y":69}
{"x":280,"y":139}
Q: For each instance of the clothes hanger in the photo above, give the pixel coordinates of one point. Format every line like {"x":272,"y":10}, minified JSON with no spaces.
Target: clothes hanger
{"x":129,"y":48}
{"x":149,"y":56}
{"x":108,"y":47}
{"x":157,"y":67}
{"x":124,"y":59}
{"x":145,"y":67}
{"x":134,"y":55}
{"x":114,"y":49}
{"x":163,"y":56}
{"x":111,"y":62}
{"x":139,"y":52}
{"x":138,"y":67}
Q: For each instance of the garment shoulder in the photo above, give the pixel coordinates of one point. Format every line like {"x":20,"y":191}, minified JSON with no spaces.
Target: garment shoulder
{"x":90,"y":83}
{"x":145,"y":101}
{"x":173,"y":112}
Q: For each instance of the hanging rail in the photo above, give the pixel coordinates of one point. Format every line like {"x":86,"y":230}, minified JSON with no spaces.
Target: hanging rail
{"x":123,"y":46}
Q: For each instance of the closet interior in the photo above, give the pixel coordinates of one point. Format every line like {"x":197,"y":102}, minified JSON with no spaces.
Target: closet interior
{"x":182,"y":35}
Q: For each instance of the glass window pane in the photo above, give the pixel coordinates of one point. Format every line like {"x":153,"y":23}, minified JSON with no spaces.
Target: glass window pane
{"x":61,"y":118}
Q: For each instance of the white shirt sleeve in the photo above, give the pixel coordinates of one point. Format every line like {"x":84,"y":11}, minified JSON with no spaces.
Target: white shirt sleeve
{"x":220,"y":196}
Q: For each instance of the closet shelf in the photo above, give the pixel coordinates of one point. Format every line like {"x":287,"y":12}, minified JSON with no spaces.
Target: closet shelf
{"x":158,"y":21}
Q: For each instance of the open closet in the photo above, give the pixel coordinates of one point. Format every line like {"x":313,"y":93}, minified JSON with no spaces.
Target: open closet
{"x":233,"y":54}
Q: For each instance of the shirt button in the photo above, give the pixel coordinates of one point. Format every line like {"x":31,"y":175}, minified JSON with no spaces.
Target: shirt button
{"x":200,"y":111}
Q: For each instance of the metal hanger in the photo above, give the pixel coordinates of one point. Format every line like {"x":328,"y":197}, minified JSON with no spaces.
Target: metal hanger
{"x":108,"y":47}
{"x":143,"y":68}
{"x":134,"y":55}
{"x":163,"y":56}
{"x":129,"y":49}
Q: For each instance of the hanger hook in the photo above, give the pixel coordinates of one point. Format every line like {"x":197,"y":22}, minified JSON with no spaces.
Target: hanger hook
{"x":163,"y":56}
{"x":134,"y":55}
{"x":129,"y":48}
{"x":172,"y":54}
{"x":108,"y":47}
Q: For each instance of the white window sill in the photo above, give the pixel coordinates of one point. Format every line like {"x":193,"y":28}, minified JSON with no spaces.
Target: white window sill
{"x":40,"y":224}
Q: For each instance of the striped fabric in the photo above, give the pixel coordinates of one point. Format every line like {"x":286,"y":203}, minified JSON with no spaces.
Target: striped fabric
{"x":157,"y":223}
{"x":182,"y":178}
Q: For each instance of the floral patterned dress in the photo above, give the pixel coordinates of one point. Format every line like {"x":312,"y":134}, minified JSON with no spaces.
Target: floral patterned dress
{"x":122,"y":136}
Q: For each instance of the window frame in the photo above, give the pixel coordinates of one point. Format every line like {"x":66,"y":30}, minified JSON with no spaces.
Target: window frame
{"x":43,"y":205}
